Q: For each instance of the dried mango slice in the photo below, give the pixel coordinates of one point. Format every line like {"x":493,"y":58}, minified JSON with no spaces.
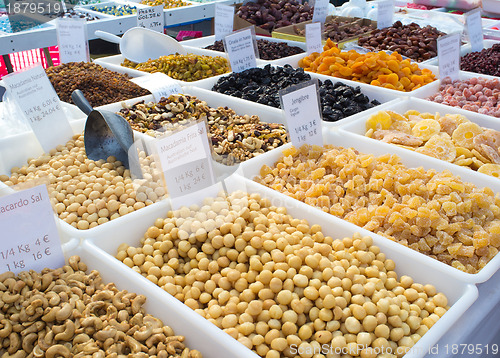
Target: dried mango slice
{"x":442,"y":148}
{"x":490,"y":169}
{"x":465,"y":133}
{"x":426,"y":128}
{"x":463,"y":162}
{"x":480,"y":157}
{"x":380,"y":120}
{"x":396,"y":116}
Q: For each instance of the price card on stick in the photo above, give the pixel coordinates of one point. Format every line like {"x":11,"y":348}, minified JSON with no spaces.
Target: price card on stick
{"x":159,"y":84}
{"x":313,"y":37}
{"x":241,"y":48}
{"x":151,"y":18}
{"x":320,"y":11}
{"x":72,"y":40}
{"x":449,"y":56}
{"x":185,"y":159}
{"x":385,"y":13}
{"x":29,"y":239}
{"x":224,"y":21}
{"x":474,"y":27}
{"x":301,"y":107}
{"x":37,"y":100}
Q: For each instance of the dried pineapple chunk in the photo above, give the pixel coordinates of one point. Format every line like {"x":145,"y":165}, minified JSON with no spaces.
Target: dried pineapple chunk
{"x":441,"y":148}
{"x":465,"y":133}
{"x":380,"y":120}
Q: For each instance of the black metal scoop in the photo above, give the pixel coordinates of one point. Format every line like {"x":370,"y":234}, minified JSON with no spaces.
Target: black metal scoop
{"x":107,"y":133}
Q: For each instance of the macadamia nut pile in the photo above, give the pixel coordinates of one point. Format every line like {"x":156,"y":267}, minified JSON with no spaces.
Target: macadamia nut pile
{"x":274,"y":282}
{"x":435,"y":213}
{"x":87,"y":193}
{"x":68,"y":313}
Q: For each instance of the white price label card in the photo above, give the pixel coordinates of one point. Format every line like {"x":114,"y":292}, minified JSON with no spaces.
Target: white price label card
{"x":320,"y":11}
{"x":159,"y":84}
{"x":301,"y":107}
{"x":449,"y":56}
{"x":29,"y":239}
{"x":33,"y":93}
{"x":314,"y":37}
{"x":224,"y":21}
{"x":72,"y":40}
{"x":241,"y":48}
{"x":474,"y":27}
{"x":385,"y":13}
{"x":151,"y":18}
{"x":186,"y":161}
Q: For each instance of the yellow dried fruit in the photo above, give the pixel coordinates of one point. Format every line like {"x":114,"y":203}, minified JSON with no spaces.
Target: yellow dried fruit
{"x":380,"y":120}
{"x":464,"y":134}
{"x":490,"y":169}
{"x":441,"y":147}
{"x":426,"y":128}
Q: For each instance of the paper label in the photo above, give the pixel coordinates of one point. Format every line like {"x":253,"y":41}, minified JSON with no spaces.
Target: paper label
{"x":449,"y":56}
{"x":151,"y":18}
{"x":29,"y":239}
{"x":241,"y":50}
{"x":159,"y":84}
{"x":313,"y":37}
{"x":385,"y":13}
{"x":474,"y":27}
{"x":224,"y":19}
{"x":185,"y":160}
{"x":36,"y":98}
{"x":302,"y":112}
{"x":320,"y":11}
{"x":72,"y":40}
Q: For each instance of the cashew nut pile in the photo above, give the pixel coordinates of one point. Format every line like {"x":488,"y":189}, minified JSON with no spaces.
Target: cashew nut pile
{"x":68,"y":313}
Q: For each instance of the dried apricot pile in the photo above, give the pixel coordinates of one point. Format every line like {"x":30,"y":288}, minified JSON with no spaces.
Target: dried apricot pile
{"x":435,"y":213}
{"x":451,"y":137}
{"x":375,"y":68}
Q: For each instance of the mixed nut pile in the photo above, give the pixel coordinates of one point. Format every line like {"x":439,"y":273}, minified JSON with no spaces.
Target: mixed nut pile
{"x":234,"y":138}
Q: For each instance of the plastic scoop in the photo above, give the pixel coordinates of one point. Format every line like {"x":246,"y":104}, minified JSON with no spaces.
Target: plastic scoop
{"x":107,"y":134}
{"x":139,"y":44}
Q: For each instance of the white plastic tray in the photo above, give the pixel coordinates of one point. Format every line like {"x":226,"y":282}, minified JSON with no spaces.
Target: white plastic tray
{"x":113,"y":63}
{"x":357,"y":124}
{"x":15,"y":150}
{"x":433,"y":87}
{"x":173,"y":313}
{"x":209,"y":40}
{"x":251,"y":168}
{"x":372,"y":92}
{"x":460,"y":294}
{"x":464,"y":50}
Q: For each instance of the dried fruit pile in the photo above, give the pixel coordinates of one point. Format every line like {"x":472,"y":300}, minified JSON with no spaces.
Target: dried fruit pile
{"x":451,"y":137}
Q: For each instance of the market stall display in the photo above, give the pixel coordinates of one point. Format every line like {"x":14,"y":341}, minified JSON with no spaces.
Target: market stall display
{"x":371,"y":244}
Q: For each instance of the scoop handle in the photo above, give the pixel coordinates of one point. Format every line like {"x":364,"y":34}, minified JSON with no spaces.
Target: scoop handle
{"x":79,"y":99}
{"x":108,"y":36}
